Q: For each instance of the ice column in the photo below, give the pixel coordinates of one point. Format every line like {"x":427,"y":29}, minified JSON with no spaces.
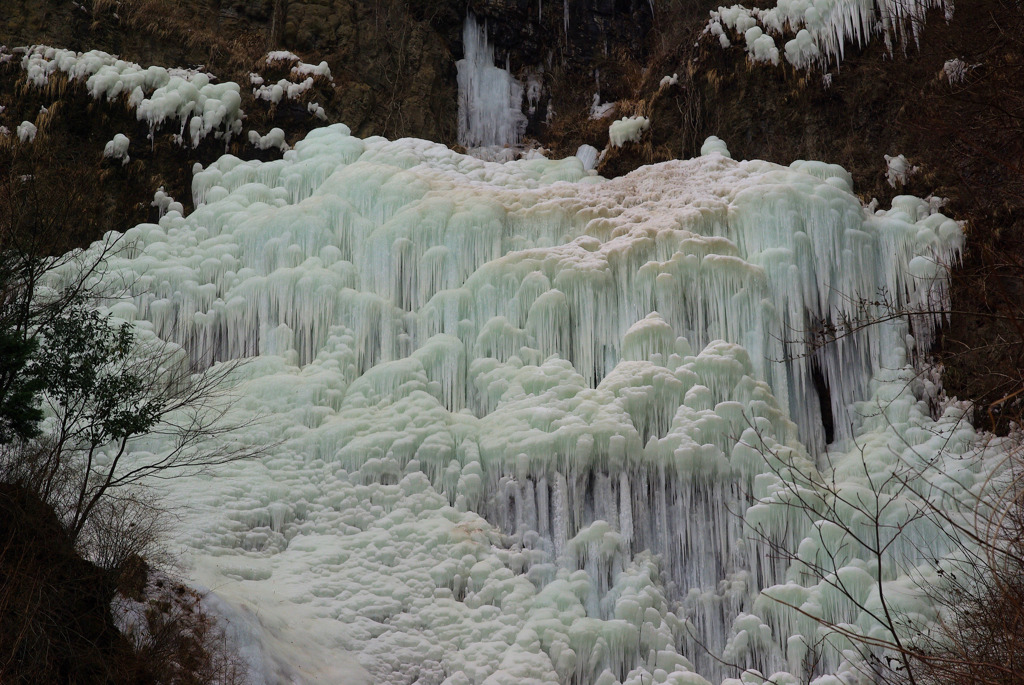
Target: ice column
{"x":490,"y":99}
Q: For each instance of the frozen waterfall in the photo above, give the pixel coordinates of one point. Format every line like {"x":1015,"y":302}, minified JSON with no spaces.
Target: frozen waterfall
{"x":490,"y":98}
{"x":526,"y":417}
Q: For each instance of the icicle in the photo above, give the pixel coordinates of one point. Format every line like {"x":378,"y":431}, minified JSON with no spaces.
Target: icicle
{"x":490,"y":99}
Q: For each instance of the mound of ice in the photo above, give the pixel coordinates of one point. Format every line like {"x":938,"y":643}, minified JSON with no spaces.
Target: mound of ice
{"x":274,"y":139}
{"x":715,"y":145}
{"x":588,"y":156}
{"x":898,"y":170}
{"x":26,"y":131}
{"x":117,"y":148}
{"x":518,"y":411}
{"x":627,"y":130}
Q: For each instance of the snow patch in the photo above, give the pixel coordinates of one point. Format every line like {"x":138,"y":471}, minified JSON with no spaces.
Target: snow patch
{"x":599,"y":110}
{"x":955,"y":71}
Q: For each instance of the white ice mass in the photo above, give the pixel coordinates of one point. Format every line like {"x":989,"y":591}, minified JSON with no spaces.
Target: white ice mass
{"x":627,"y":130}
{"x":117,"y":148}
{"x":157,"y":95}
{"x":490,"y":98}
{"x":898,"y":170}
{"x":822,"y":29}
{"x":26,"y":131}
{"x":525,"y":418}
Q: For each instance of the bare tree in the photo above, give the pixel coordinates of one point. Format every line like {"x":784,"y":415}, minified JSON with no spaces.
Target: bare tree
{"x":970,"y":570}
{"x":103,"y":389}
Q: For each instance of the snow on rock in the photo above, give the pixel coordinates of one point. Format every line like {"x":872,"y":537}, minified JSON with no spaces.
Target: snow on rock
{"x":518,"y":410}
{"x":627,"y":130}
{"x":668,"y":80}
{"x":299,"y":68}
{"x":26,"y":131}
{"x":316,"y":110}
{"x":283,"y":90}
{"x":490,"y":98}
{"x":117,"y":148}
{"x":822,"y":28}
{"x":158,"y":95}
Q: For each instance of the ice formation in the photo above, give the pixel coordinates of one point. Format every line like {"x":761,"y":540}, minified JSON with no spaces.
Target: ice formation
{"x":627,"y":130}
{"x":955,"y":70}
{"x":490,"y":98}
{"x":525,"y":418}
{"x":821,"y":29}
{"x":598,"y":109}
{"x":588,"y":156}
{"x":898,"y":170}
{"x":158,"y":95}
{"x":283,"y":90}
{"x":299,"y":68}
{"x":316,"y":110}
{"x":117,"y":148}
{"x":715,"y":145}
{"x":273,"y":139}
{"x":27,"y":131}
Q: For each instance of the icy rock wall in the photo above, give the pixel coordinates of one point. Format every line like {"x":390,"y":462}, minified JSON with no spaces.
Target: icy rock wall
{"x":823,"y":29}
{"x":521,"y":410}
{"x":490,"y":99}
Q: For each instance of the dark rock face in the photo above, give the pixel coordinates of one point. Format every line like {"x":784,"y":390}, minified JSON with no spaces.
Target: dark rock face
{"x":575,"y":33}
{"x":55,"y":621}
{"x":393,"y":60}
{"x":575,"y":48}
